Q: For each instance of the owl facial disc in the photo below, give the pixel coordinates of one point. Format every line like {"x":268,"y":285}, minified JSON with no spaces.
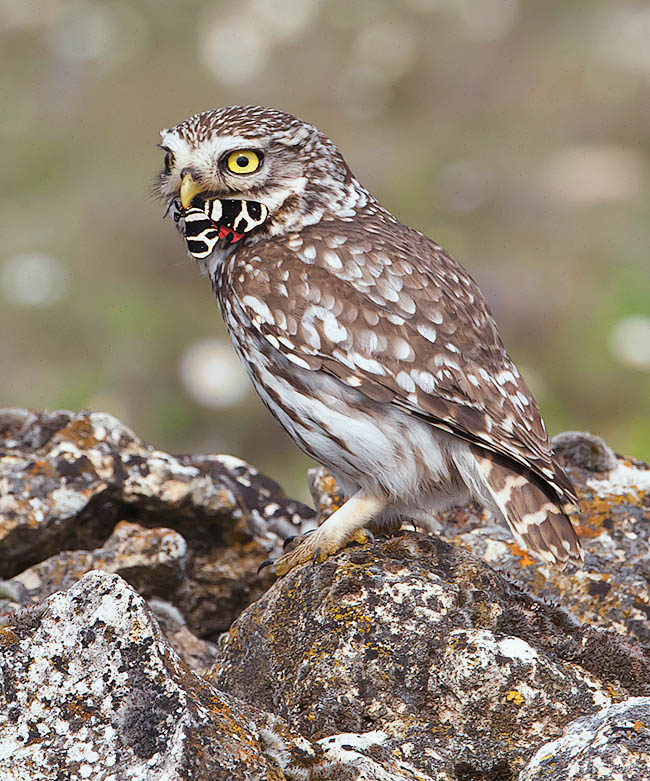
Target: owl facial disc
{"x":217,"y":220}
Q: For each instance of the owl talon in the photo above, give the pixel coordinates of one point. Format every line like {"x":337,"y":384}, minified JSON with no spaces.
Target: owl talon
{"x":289,"y":540}
{"x":264,"y":564}
{"x":292,"y":538}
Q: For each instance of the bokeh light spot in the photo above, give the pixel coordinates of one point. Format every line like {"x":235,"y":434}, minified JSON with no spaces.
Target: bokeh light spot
{"x":595,"y":173}
{"x":212,"y":375}
{"x":33,"y":279}
{"x":233,"y":51}
{"x":630,"y":342}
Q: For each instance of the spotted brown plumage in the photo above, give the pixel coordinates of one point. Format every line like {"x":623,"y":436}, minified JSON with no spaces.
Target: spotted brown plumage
{"x":368,"y":342}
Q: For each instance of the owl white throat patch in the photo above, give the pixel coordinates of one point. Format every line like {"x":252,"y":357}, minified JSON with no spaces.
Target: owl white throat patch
{"x":217,"y":223}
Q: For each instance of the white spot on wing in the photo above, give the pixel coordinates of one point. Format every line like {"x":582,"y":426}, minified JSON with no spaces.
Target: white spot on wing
{"x":298,"y":361}
{"x":405,"y":381}
{"x":425,"y":380}
{"x":402,"y":349}
{"x":333,"y":330}
{"x":426,"y":331}
{"x":332,"y":260}
{"x":259,"y":307}
{"x":367,"y":364}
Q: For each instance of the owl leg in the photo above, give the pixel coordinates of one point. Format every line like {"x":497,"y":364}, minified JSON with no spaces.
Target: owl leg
{"x":343,"y":526}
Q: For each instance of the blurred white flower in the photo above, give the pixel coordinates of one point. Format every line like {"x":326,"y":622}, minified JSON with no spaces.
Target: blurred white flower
{"x":233,"y":50}
{"x":383,"y":52}
{"x":105,"y":34}
{"x":81,"y":31}
{"x":595,"y":173}
{"x":630,"y":342}
{"x":463,"y":185}
{"x":33,"y":279}
{"x":283,"y":19}
{"x":622,"y":36}
{"x":212,"y":374}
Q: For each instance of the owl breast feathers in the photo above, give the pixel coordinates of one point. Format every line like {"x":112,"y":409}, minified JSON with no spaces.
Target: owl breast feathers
{"x":368,"y":342}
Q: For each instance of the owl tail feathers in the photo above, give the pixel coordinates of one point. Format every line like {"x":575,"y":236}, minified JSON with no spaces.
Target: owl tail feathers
{"x":535,"y":515}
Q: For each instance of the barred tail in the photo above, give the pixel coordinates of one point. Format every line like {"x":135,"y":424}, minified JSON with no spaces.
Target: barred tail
{"x":534,"y":512}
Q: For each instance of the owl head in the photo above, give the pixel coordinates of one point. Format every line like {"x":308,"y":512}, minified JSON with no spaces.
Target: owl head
{"x":258,"y":154}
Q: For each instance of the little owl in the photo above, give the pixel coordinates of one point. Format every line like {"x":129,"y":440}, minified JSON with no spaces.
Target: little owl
{"x":368,"y":342}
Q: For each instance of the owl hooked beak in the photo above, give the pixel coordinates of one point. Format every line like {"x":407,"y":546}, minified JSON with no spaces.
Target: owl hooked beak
{"x":189,"y":188}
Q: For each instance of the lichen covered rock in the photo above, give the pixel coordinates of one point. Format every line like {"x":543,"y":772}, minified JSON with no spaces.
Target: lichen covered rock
{"x":415,"y":638}
{"x":612,"y":744}
{"x":91,"y":690}
{"x":418,"y":657}
{"x":612,"y":589}
{"x":67,"y":479}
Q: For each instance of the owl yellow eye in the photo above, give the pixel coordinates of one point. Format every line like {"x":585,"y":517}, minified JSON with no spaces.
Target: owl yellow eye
{"x":244,"y":161}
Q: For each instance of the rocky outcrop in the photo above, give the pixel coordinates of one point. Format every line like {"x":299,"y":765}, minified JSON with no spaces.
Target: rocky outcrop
{"x":92,"y":691}
{"x":454,"y":657}
{"x":613,"y":743}
{"x":415,"y":638}
{"x":67,"y":479}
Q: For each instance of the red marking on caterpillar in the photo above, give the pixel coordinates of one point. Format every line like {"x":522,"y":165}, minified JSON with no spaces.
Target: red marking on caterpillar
{"x":228,"y":233}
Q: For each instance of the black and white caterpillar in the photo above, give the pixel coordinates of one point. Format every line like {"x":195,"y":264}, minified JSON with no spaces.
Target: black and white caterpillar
{"x":216,"y":220}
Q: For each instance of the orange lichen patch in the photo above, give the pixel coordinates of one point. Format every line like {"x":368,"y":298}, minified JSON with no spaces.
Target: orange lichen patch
{"x":514,"y":696}
{"x":8,"y":637}
{"x":615,"y":694}
{"x":42,"y":468}
{"x":330,"y":496}
{"x":642,"y":604}
{"x":80,"y":430}
{"x":350,"y":613}
{"x":525,"y":559}
{"x":233,"y":726}
{"x":596,"y":510}
{"x":638,"y":726}
{"x":76,"y":708}
{"x":328,"y":485}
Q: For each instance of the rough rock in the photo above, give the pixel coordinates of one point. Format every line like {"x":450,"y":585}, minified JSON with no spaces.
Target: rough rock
{"x":67,"y":479}
{"x":418,"y":657}
{"x":612,"y":590}
{"x":463,"y":673}
{"x":613,"y":744}
{"x":92,"y":691}
{"x":153,"y":561}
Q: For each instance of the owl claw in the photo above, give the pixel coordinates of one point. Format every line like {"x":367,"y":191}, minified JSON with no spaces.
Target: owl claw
{"x":266,"y":563}
{"x":288,"y":541}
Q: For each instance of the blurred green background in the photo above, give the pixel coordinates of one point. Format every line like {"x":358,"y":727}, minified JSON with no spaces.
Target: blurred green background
{"x":514,"y":133}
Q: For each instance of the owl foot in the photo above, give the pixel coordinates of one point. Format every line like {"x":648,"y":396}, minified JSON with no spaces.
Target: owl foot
{"x":316,"y":548}
{"x":344,"y":526}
